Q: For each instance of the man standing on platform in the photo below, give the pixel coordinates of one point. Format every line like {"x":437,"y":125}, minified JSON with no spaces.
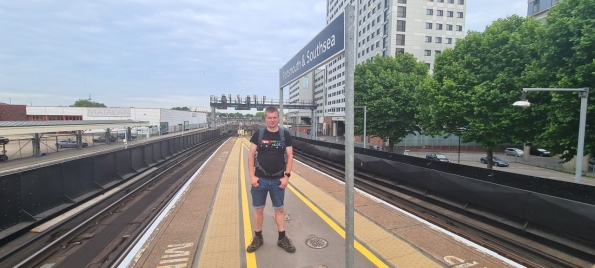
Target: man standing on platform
{"x":269,"y":174}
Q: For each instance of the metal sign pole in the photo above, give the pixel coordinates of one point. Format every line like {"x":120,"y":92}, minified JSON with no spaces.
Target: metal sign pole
{"x":349,"y":131}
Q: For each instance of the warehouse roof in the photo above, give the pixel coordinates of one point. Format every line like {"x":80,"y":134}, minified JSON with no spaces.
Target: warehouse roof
{"x":30,"y":127}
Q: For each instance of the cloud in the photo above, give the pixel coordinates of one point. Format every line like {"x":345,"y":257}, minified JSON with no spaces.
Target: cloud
{"x":162,"y":53}
{"x":482,"y":13}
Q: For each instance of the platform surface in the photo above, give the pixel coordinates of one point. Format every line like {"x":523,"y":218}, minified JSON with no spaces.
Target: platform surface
{"x":210,"y":225}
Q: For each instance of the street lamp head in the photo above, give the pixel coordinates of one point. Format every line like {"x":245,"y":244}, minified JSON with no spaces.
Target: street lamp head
{"x":521,"y":104}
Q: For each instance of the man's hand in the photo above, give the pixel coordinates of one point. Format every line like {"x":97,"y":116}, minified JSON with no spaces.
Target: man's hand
{"x":284,"y":182}
{"x":254,"y":181}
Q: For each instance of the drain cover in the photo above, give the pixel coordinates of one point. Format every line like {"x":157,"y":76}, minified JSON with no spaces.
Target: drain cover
{"x":316,"y":242}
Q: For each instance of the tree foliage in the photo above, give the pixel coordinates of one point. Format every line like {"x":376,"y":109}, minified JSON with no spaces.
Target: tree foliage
{"x":568,"y":49}
{"x":475,"y":84}
{"x":259,"y":115}
{"x":87,"y":103}
{"x":181,"y":108}
{"x":386,"y":86}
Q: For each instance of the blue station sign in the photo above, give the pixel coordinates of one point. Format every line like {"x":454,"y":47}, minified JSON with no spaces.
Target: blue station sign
{"x":326,"y":45}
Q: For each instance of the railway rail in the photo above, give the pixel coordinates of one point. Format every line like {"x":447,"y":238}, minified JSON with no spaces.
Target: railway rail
{"x":473,"y":223}
{"x":98,"y":235}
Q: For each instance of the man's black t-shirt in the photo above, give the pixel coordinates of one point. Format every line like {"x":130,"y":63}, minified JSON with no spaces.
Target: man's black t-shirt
{"x":271,"y":152}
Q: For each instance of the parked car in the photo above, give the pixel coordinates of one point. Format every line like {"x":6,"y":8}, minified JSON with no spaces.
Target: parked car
{"x":4,"y":140}
{"x":592,"y":164}
{"x":123,"y":136}
{"x":437,"y":157}
{"x":513,"y":152}
{"x":377,"y":148}
{"x":102,"y":139}
{"x":497,"y":161}
{"x":69,"y":144}
{"x":539,"y":152}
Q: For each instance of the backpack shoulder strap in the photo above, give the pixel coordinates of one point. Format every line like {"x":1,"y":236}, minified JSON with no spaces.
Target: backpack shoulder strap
{"x":260,"y":134}
{"x":281,"y":132}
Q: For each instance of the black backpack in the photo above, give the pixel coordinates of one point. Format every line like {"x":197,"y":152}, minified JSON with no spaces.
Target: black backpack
{"x":257,"y":165}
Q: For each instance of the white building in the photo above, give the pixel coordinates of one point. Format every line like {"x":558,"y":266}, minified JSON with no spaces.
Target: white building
{"x":385,"y":27}
{"x":301,"y":92}
{"x":164,"y":119}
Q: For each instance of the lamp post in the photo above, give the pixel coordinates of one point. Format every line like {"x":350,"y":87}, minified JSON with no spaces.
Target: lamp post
{"x":583,"y":94}
{"x":365,"y":136}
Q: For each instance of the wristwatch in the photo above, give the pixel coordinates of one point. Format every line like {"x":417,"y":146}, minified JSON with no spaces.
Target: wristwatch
{"x":288,"y":174}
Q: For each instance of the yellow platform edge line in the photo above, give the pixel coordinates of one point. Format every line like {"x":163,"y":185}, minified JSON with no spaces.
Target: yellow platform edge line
{"x":362,"y":249}
{"x":250,"y":257}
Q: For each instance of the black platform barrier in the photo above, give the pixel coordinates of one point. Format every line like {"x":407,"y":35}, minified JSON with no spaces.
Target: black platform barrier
{"x":564,"y":207}
{"x":105,"y":169}
{"x":137,"y":158}
{"x":11,"y":205}
{"x":79,"y":178}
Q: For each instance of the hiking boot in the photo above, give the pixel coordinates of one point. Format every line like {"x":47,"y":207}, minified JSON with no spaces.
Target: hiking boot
{"x":257,"y":241}
{"x":285,"y":243}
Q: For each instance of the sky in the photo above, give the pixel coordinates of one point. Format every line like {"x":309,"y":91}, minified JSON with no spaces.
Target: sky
{"x":163,"y":53}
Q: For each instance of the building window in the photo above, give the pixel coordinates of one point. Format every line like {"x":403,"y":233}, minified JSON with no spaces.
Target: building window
{"x":428,"y":52}
{"x":451,"y":1}
{"x":438,"y":26}
{"x":399,"y":50}
{"x":428,"y":25}
{"x":449,"y":40}
{"x":430,"y":0}
{"x":449,"y":27}
{"x":400,"y":40}
{"x":401,"y":12}
{"x":377,"y":43}
{"x":401,"y":2}
{"x":440,"y":1}
{"x":306,"y":84}
{"x":439,"y":12}
{"x":459,"y":14}
{"x":428,"y":39}
{"x":429,"y":11}
{"x":438,"y":39}
{"x":461,"y":2}
{"x":427,"y":64}
{"x":436,"y":52}
{"x":459,"y":28}
{"x":401,"y":25}
{"x":449,"y":14}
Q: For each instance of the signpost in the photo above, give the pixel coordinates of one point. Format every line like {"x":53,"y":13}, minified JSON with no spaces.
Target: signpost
{"x":329,"y":43}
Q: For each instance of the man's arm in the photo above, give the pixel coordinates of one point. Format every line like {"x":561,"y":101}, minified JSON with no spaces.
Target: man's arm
{"x":285,"y":179}
{"x":251,"y":154}
{"x":289,"y":151}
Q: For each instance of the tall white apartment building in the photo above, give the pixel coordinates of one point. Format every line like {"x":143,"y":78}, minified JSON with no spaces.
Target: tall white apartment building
{"x":385,"y":27}
{"x":300,"y":92}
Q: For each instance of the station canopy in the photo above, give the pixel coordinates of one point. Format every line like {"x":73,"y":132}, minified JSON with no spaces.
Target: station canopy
{"x":31,"y":127}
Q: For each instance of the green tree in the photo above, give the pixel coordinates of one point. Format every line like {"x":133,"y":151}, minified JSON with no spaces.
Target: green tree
{"x":87,"y":103}
{"x":181,"y":108}
{"x":568,"y":49}
{"x":475,"y":84}
{"x":386,"y":86}
{"x":259,"y":115}
{"x":249,"y":115}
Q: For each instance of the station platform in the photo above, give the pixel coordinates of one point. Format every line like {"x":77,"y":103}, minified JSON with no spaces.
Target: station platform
{"x":67,"y":154}
{"x":209,"y":224}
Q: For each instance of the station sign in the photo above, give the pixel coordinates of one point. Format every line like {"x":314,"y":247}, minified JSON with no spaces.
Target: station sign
{"x":326,"y":45}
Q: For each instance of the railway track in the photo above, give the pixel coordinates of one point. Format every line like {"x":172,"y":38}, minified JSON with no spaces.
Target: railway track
{"x":473,"y":223}
{"x":98,"y":235}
